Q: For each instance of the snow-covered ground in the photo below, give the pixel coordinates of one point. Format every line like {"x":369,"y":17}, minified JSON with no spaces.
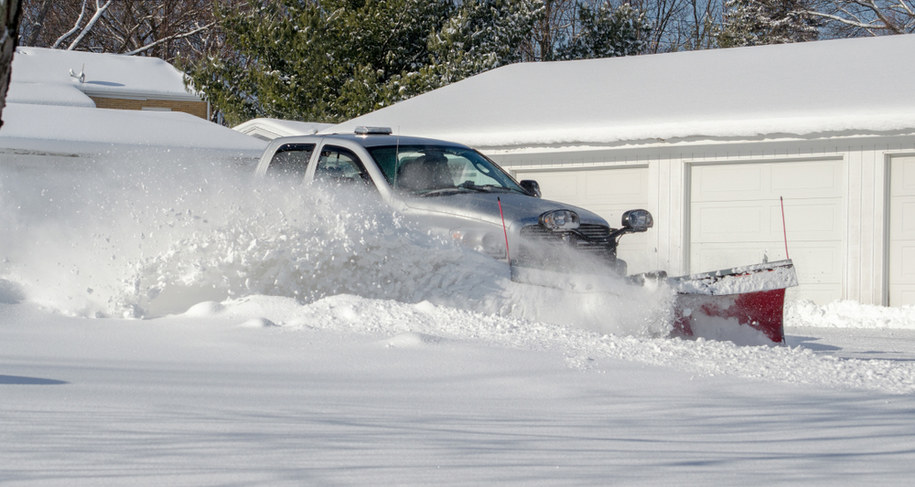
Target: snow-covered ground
{"x":189,"y":327}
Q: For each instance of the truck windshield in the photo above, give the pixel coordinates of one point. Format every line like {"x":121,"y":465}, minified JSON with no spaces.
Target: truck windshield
{"x":430,"y":170}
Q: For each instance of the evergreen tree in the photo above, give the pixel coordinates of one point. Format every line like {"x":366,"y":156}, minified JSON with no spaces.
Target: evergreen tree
{"x":479,"y":36}
{"x":607,"y":32}
{"x":332,"y":60}
{"x":758,"y":22}
{"x":315,"y":60}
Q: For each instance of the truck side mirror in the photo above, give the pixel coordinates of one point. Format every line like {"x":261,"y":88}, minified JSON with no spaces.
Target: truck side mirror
{"x":531,"y":186}
{"x":637,"y":220}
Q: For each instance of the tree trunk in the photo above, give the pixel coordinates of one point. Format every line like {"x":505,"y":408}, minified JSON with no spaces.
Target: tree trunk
{"x":9,"y":35}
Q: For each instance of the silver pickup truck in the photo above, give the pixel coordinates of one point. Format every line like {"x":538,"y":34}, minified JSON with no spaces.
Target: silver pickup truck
{"x":458,"y":191}
{"x":464,"y":195}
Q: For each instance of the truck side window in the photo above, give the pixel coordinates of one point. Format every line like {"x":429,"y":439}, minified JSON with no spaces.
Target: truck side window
{"x":339,"y":165}
{"x":290,"y":161}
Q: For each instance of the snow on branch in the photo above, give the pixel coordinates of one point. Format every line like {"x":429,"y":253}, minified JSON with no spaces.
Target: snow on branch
{"x":99,"y":11}
{"x":170,"y":38}
{"x":79,"y":20}
{"x":895,"y":17}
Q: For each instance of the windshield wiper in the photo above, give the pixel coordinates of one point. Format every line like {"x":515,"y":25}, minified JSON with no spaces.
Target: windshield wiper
{"x":485,"y":188}
{"x":442,"y":191}
{"x":465,"y":187}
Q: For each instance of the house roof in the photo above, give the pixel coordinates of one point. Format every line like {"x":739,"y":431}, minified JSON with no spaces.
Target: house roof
{"x":69,"y":129}
{"x":826,"y":88}
{"x":48,"y":110}
{"x":48,"y":72}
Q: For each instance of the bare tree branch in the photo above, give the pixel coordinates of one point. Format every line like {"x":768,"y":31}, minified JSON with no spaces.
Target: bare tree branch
{"x":850,"y":22}
{"x":168,"y":29}
{"x":170,"y":38}
{"x":872,"y":17}
{"x":79,"y":20}
{"x":99,"y":11}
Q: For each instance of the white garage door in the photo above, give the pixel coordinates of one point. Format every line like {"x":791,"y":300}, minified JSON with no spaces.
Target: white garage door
{"x":735,"y":219}
{"x":609,"y":193}
{"x":902,"y":231}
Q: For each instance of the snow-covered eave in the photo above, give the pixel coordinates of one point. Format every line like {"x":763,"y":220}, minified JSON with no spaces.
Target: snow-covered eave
{"x":23,"y":146}
{"x":720,"y":132}
{"x":62,"y":130}
{"x":139,"y":95}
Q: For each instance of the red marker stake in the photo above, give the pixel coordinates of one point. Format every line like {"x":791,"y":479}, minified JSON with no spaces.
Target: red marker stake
{"x":504,"y":230}
{"x":784,"y":227}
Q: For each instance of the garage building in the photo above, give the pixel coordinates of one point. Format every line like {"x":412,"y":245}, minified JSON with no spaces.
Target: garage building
{"x":712,"y":142}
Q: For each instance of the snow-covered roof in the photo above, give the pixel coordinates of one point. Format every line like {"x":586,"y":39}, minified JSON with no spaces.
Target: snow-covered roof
{"x":105,"y":75}
{"x":49,"y":112}
{"x":864,"y":85}
{"x":69,"y":129}
{"x":271,"y":128}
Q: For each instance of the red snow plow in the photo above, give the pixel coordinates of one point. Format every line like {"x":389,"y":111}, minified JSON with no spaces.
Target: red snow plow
{"x":744,"y":305}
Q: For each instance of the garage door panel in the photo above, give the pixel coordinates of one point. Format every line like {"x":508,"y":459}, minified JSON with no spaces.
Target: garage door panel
{"x":757,"y":221}
{"x":736,"y":219}
{"x":902,"y":294}
{"x":902,"y":231}
{"x":768,"y":181}
{"x":728,"y":182}
{"x":810,"y":220}
{"x":723,"y":256}
{"x":616,"y":185}
{"x":816,"y":264}
{"x":906,"y":263}
{"x":807,"y":180}
{"x":562,"y":187}
{"x":903,"y":217}
{"x":712,"y":223}
{"x":903,"y":175}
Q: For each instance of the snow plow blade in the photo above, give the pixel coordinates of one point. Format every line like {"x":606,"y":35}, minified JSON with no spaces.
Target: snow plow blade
{"x":744,"y":305}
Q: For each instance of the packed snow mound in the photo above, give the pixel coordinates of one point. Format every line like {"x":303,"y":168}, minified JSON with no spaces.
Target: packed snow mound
{"x":423,"y":325}
{"x":849,"y":314}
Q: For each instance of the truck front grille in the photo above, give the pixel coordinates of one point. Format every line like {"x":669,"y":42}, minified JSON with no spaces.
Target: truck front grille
{"x":591,"y":233}
{"x":590,"y":239}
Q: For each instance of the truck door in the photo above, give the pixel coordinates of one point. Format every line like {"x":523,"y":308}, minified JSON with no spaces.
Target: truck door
{"x":337,"y":165}
{"x":290,"y":161}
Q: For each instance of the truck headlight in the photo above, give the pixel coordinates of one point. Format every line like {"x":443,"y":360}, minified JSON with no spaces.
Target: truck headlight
{"x":560,"y":220}
{"x":489,"y":243}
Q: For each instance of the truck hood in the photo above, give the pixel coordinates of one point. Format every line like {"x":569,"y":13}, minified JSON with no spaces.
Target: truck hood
{"x":518,"y":209}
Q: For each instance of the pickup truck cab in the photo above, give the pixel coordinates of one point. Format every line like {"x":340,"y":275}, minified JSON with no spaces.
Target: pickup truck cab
{"x":459,"y":192}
